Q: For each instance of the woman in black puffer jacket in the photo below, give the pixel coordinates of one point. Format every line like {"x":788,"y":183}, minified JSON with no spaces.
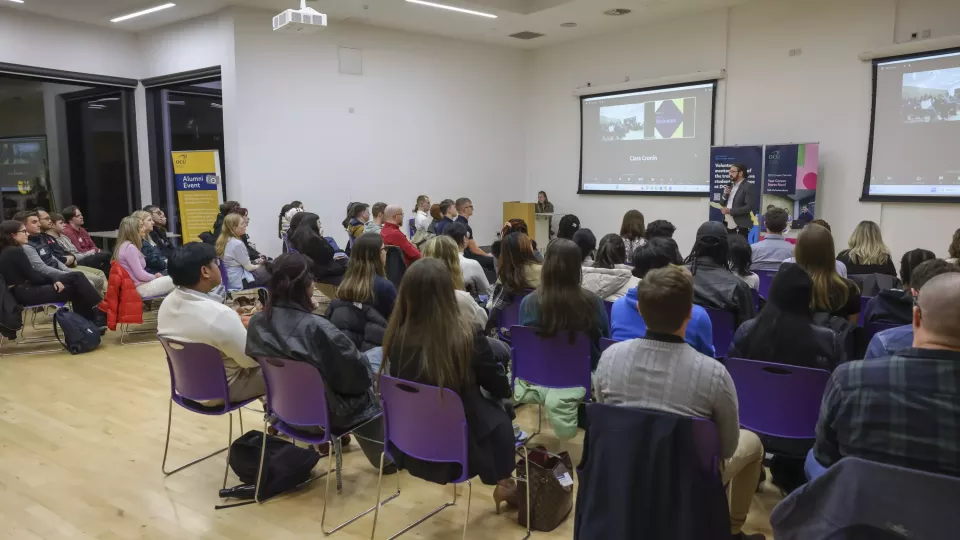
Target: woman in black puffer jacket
{"x":362,"y":323}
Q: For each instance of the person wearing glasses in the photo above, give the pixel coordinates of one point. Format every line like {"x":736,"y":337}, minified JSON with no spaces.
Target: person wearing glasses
{"x":473,"y":251}
{"x":393,"y":235}
{"x":31,"y":287}
{"x":159,"y":232}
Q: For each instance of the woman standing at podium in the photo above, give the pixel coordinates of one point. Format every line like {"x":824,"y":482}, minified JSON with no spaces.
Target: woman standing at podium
{"x":544,"y":206}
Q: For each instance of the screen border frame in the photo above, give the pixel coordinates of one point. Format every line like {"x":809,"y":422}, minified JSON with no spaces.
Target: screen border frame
{"x":865,"y":192}
{"x":713,"y":129}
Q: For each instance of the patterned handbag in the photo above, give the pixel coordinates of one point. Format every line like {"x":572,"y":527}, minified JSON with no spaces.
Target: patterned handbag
{"x":551,"y":489}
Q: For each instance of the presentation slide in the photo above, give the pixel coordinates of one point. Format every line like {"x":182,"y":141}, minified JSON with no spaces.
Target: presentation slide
{"x":916,"y":127}
{"x":648,"y":141}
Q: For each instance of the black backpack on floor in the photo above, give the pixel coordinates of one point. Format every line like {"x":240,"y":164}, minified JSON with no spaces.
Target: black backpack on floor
{"x":79,"y":335}
{"x":285,"y":466}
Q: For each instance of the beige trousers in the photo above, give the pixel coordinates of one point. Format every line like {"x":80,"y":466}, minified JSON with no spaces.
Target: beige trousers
{"x":741,"y":474}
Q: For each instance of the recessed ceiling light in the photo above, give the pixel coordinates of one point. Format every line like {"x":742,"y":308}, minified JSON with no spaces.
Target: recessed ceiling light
{"x":141,"y":13}
{"x":17,"y":1}
{"x":617,"y":12}
{"x":569,"y":25}
{"x":453,"y":8}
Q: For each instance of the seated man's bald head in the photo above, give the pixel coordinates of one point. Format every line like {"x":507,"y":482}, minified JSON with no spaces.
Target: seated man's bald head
{"x":391,"y":212}
{"x":939,"y":322}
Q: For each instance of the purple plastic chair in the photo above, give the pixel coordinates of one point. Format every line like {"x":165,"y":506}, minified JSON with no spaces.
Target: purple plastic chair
{"x":413,"y":227}
{"x":509,"y":316}
{"x":606,"y":343}
{"x":551,"y":362}
{"x":196,"y":375}
{"x":297,"y":399}
{"x":444,"y":439}
{"x":778,"y":400}
{"x":226,"y":282}
{"x":877,"y":327}
{"x":766,"y":278}
{"x":708,"y":447}
{"x":608,"y":306}
{"x":723,"y":324}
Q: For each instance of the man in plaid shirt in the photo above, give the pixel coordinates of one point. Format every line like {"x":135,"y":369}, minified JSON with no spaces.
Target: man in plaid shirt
{"x":903,"y":410}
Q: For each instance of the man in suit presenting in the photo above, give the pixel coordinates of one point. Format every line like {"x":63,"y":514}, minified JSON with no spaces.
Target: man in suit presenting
{"x":738,"y":201}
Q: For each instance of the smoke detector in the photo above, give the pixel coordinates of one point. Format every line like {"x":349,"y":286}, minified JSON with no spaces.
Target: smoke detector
{"x":303,"y":21}
{"x":617,"y":12}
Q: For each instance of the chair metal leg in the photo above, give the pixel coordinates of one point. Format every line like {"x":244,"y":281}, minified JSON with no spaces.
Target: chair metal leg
{"x":539,"y":425}
{"x":424,"y":518}
{"x":376,"y":507}
{"x":166,"y":447}
{"x":338,"y":450}
{"x":326,"y":495}
{"x":226,"y":466}
{"x":466,"y":515}
{"x":263,"y":453}
{"x":526,"y":462}
{"x":240,"y":416}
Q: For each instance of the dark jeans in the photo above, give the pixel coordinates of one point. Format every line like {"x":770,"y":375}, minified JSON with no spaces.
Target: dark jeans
{"x":742,"y":231}
{"x":100,"y":261}
{"x":76,"y":289}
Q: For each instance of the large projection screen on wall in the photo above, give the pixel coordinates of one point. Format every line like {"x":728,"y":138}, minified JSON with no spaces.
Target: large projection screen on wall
{"x":649,"y":141}
{"x":914,"y":149}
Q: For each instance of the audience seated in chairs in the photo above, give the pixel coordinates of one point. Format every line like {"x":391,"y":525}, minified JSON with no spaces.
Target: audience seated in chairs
{"x":714,"y":285}
{"x":128,"y":255}
{"x":152,"y":254}
{"x":393,"y":235}
{"x":159,"y":233}
{"x":608,"y":277}
{"x":512,"y":226}
{"x":444,"y":249}
{"x":517,"y":272}
{"x":659,"y":228}
{"x":867,"y":254}
{"x":437,"y":347}
{"x":242,"y":273}
{"x":99,"y":260}
{"x":769,"y":253}
{"x":740,"y":256}
{"x":449,"y":210}
{"x":890,"y":341}
{"x":663,"y":373}
{"x":286,"y":214}
{"x":895,"y":306}
{"x":365,"y":298}
{"x":359,"y":215}
{"x":435,"y":216}
{"x":75,"y":231}
{"x":48,"y":256}
{"x":568,"y":226}
{"x":192,"y":313}
{"x":560,"y":306}
{"x":473,"y":251}
{"x":902,"y":410}
{"x":287,"y":328}
{"x":832,"y":293}
{"x":626,"y":322}
{"x":422,"y":212}
{"x":375,"y":223}
{"x":225,"y":208}
{"x":308,"y":240}
{"x":474,"y":278}
{"x":31,"y":287}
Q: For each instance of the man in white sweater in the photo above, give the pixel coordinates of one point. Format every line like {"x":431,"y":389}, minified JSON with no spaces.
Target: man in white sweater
{"x":191,"y":314}
{"x":662,"y":372}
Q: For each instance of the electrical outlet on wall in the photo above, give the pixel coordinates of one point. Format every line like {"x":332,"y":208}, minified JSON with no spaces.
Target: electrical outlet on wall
{"x":925,"y":34}
{"x":795,"y":52}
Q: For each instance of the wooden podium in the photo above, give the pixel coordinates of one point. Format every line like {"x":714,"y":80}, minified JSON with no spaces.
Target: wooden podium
{"x":521,"y":210}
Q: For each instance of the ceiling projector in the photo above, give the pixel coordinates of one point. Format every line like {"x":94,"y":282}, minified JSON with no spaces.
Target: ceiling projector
{"x":304,"y":20}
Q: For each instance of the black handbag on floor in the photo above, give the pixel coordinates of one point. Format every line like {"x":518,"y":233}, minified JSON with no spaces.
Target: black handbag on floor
{"x":285,"y":466}
{"x":79,"y":335}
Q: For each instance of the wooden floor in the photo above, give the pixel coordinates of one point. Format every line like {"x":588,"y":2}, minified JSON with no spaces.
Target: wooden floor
{"x":81,"y":441}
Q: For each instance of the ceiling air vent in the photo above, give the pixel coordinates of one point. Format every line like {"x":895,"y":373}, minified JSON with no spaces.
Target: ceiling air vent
{"x":526,"y":35}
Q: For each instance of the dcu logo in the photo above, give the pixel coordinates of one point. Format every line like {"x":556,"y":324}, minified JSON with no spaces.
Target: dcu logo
{"x":181,"y":159}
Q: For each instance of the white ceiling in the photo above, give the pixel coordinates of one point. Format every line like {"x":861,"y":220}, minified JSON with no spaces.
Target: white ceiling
{"x":542,"y":16}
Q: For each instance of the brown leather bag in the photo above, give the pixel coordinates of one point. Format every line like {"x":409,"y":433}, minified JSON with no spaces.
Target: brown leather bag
{"x":551,"y":489}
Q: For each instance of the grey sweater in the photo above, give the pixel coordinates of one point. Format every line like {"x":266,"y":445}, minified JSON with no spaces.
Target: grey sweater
{"x":670,"y":377}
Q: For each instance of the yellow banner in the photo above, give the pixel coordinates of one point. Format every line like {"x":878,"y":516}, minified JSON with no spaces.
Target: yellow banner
{"x":198,"y":182}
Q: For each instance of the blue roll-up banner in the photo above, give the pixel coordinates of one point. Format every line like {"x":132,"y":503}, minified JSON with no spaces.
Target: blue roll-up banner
{"x":721,"y":158}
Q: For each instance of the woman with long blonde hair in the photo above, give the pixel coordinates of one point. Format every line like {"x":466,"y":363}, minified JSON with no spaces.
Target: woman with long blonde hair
{"x":432,"y":345}
{"x":445,"y":249}
{"x":831,"y":293}
{"x":241,"y":272}
{"x":156,"y":261}
{"x":867,"y":254}
{"x":129,"y":243}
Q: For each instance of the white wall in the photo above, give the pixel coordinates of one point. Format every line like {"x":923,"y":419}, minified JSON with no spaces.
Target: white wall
{"x":50,"y":43}
{"x":768,"y":97}
{"x":430,"y":115}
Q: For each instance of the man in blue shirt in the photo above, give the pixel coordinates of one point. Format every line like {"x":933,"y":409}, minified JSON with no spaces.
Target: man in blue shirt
{"x":625,"y":319}
{"x":889,"y":341}
{"x":770,"y":252}
{"x":449,"y":210}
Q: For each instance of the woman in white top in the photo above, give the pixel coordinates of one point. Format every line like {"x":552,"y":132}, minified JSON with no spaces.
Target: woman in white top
{"x":446,"y":251}
{"x":608,"y":277}
{"x":474,"y":278}
{"x":422,"y":217}
{"x":241,"y":272}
